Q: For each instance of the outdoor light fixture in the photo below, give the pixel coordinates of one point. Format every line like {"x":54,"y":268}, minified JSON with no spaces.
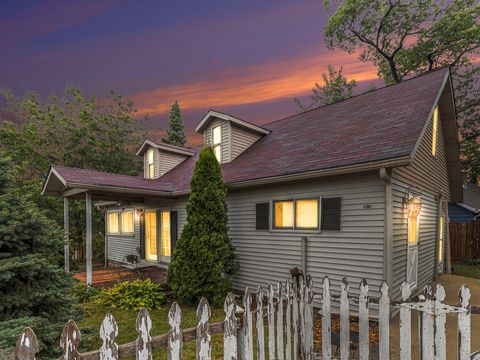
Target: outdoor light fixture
{"x":413,"y":204}
{"x":139,"y":212}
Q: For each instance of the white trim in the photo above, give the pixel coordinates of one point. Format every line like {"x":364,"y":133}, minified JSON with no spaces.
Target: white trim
{"x":212,"y":113}
{"x":469,"y":208}
{"x":59,"y":177}
{"x":165,"y":147}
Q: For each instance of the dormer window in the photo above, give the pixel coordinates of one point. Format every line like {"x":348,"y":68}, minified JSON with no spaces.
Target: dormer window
{"x":434,"y":131}
{"x":150,"y":164}
{"x":217,"y":142}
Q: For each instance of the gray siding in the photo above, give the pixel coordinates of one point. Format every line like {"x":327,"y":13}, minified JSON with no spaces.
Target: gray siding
{"x":119,"y":246}
{"x":207,"y":137}
{"x":356,"y":251}
{"x":242,"y":139}
{"x":167,"y":161}
{"x":429,"y":174}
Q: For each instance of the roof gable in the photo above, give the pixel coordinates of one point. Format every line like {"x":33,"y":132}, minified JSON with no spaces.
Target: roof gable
{"x":212,"y":114}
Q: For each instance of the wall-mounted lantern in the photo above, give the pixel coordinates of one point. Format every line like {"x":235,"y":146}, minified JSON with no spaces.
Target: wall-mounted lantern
{"x":413,"y":205}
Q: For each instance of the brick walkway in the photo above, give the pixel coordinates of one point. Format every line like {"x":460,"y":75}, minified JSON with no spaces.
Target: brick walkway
{"x":110,"y":276}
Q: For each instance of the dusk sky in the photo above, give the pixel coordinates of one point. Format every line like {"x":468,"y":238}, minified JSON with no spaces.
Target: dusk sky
{"x":247,"y":58}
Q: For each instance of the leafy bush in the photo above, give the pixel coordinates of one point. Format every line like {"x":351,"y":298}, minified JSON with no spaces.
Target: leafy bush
{"x":132,"y":295}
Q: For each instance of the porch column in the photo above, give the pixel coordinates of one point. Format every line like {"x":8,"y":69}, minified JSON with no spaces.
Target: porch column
{"x":88,"y":205}
{"x":66,"y":227}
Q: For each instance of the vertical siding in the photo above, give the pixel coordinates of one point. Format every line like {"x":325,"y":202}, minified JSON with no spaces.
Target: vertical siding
{"x":356,"y":251}
{"x":168,"y":160}
{"x":429,"y":174}
{"x":241,"y":140}
{"x":225,"y":137}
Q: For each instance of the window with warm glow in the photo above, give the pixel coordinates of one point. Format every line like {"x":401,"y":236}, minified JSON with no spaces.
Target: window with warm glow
{"x":412,"y":230}
{"x":296,"y":214}
{"x":217,"y":142}
{"x":284,"y":214}
{"x":127,"y":221}
{"x":434,"y":131}
{"x":440,"y":242}
{"x":113,"y":223}
{"x":150,"y":164}
{"x":306,"y":214}
{"x":166,"y":235}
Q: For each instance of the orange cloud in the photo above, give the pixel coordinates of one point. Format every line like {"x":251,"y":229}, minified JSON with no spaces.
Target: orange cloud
{"x":253,"y":84}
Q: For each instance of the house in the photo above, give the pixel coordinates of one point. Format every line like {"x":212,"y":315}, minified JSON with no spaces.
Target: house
{"x":358,"y":189}
{"x":469,"y":209}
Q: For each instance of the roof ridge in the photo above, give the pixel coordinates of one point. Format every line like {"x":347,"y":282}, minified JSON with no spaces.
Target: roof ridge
{"x":363,"y":93}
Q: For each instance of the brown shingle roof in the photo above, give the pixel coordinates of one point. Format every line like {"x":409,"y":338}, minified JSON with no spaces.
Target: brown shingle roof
{"x":376,"y":126}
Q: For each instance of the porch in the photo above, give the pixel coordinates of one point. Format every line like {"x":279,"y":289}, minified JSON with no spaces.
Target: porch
{"x":107,"y":277}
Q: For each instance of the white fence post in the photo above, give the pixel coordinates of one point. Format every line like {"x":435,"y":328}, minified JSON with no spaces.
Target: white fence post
{"x":405,"y":324}
{"x":308,"y":298}
{"x":344,"y":320}
{"x":440,"y":321}
{"x":143,"y":343}
{"x":230,"y":328}
{"x":247,"y":325}
{"x":108,"y":333}
{"x":203,"y":338}
{"x":464,"y":324}
{"x":427,"y":326}
{"x":69,"y":341}
{"x":260,"y":327}
{"x":288,"y":321}
{"x":384,"y":323}
{"x":326,"y":320}
{"x":363,"y":322}
{"x":280,"y":349}
{"x":27,"y":345}
{"x":271,"y":323}
{"x":175,"y":336}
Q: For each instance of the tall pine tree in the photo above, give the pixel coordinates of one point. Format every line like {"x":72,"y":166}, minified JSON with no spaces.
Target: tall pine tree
{"x":203,"y":261}
{"x":34,"y":289}
{"x":175,"y":133}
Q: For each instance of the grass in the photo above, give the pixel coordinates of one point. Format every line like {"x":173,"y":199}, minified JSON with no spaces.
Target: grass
{"x":467,"y":270}
{"x":126,"y":328}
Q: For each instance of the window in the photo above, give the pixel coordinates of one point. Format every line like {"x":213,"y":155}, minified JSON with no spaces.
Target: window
{"x":120,"y":222}
{"x":217,"y":142}
{"x":412,"y":230}
{"x":296,"y":214}
{"x":166,"y":232}
{"x":331,"y":213}
{"x":434,"y":131}
{"x":306,"y":214}
{"x":127,"y":221}
{"x":262,"y":216}
{"x":113,"y":223}
{"x":284,"y":214}
{"x":150,"y":164}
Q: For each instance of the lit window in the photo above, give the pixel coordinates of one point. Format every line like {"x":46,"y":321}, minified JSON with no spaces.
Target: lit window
{"x":296,"y":214}
{"x":150,"y":164}
{"x":112,"y":222}
{"x":434,"y":131}
{"x":284,"y":214}
{"x":127,"y":221}
{"x":217,"y":142}
{"x":412,"y":230}
{"x":306,"y":214}
{"x":165,"y":229}
{"x":440,"y":242}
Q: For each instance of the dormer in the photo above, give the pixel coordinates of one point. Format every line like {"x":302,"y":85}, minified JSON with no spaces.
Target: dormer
{"x":160,"y":158}
{"x":227,"y":135}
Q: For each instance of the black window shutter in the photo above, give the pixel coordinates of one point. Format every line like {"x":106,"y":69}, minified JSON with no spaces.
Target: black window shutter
{"x":173,"y":229}
{"x":331,"y":213}
{"x":262,"y":216}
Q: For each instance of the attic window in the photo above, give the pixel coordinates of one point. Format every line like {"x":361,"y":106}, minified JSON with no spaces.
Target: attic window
{"x":434,"y":131}
{"x":217,"y":142}
{"x":150,"y":164}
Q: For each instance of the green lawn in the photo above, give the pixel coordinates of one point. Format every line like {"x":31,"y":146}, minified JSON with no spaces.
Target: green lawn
{"x":126,"y":325}
{"x":467,"y":270}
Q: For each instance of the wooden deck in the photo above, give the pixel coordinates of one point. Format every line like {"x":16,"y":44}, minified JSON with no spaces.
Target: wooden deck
{"x":110,"y":276}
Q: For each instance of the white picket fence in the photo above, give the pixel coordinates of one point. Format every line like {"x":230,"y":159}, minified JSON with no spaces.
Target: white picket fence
{"x":288,"y":311}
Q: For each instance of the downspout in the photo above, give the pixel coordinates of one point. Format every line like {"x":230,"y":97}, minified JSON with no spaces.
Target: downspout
{"x":437,"y":237}
{"x":385,"y":175}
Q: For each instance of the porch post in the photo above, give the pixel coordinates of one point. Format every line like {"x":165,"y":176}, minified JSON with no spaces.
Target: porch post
{"x":66,"y":228}
{"x":88,"y":205}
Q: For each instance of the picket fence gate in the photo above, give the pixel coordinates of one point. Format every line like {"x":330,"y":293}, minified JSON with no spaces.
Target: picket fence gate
{"x":289,"y":313}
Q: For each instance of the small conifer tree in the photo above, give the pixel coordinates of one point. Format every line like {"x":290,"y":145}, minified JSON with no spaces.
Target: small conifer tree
{"x":203,"y":260}
{"x":175,"y":132}
{"x":34,"y":289}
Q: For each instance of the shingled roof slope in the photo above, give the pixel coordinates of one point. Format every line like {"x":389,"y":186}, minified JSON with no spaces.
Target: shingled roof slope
{"x":379,"y":125}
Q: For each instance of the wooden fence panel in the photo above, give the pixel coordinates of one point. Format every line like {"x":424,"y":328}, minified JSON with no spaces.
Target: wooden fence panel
{"x":465,"y":241}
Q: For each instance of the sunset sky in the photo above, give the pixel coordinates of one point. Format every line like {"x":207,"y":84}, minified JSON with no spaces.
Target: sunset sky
{"x":247,"y":58}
